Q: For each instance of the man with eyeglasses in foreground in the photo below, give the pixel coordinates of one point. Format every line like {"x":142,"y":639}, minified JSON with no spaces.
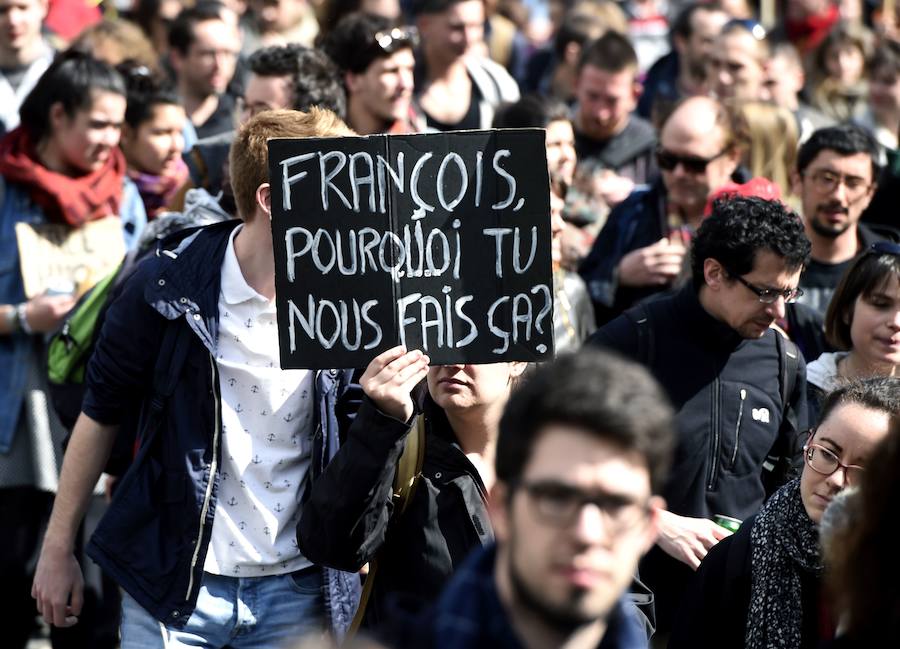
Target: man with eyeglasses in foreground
{"x":738,"y":386}
{"x":376,"y":62}
{"x":583,"y":450}
{"x":640,"y":250}
{"x":835,"y":180}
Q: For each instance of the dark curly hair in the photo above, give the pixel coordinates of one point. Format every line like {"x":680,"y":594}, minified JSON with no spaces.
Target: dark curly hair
{"x":844,"y":139}
{"x":314,"y":78}
{"x":741,"y":226}
{"x":599,"y":392}
{"x":70,"y":81}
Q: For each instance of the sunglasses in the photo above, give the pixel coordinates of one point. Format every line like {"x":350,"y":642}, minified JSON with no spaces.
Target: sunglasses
{"x":396,"y":39}
{"x":667,"y":161}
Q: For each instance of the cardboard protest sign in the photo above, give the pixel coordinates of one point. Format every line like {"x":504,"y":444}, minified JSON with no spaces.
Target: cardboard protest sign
{"x":440,"y":242}
{"x":55,"y":255}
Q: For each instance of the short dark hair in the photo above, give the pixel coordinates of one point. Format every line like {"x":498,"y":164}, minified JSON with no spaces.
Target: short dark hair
{"x":683,"y":25}
{"x":843,"y":139}
{"x":576,"y":27}
{"x":70,"y":80}
{"x":181,"y":32}
{"x":741,"y":226}
{"x":531,"y":111}
{"x":870,"y":272}
{"x":353,"y":44}
{"x":886,"y":57}
{"x":599,"y":392}
{"x":314,"y":78}
{"x":879,"y":393}
{"x":612,"y":52}
{"x":146,"y":91}
{"x":425,"y":7}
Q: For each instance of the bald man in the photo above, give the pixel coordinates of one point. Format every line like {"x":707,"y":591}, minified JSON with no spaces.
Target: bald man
{"x":736,"y":66}
{"x":641,"y":249}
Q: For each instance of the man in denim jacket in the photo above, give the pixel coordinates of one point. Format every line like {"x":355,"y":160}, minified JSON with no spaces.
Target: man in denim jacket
{"x":200,"y":533}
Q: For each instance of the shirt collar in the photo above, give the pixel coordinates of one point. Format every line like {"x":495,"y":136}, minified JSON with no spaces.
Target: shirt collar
{"x":235,"y":288}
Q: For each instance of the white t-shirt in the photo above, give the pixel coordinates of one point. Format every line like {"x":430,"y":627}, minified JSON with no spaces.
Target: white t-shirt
{"x":267,"y":431}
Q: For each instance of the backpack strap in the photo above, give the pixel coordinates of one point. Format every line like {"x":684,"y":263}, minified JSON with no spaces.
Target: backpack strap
{"x":406,"y":479}
{"x":646,"y":342}
{"x":788,"y":365}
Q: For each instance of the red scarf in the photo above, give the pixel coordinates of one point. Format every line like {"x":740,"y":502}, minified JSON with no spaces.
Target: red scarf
{"x":808,"y":33}
{"x":64,"y":199}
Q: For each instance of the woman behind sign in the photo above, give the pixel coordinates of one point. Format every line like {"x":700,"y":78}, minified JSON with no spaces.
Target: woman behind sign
{"x":347,"y":521}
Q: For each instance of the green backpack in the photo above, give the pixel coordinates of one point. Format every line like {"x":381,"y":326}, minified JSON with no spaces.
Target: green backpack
{"x":70,"y":349}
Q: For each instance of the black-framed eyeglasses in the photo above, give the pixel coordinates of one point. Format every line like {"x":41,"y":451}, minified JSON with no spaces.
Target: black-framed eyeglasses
{"x":825,"y":180}
{"x":824,"y":461}
{"x":390,"y":41}
{"x":667,"y":160}
{"x":559,"y":505}
{"x":771,"y":295}
{"x":885,"y":248}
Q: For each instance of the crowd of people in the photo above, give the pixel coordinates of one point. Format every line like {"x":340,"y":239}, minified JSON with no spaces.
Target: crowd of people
{"x":709,"y":461}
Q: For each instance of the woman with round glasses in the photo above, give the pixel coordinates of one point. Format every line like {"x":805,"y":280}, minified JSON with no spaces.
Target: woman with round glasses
{"x":762,"y":587}
{"x":862,"y":322}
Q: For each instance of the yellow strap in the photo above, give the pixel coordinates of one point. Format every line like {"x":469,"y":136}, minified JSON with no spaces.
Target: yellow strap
{"x":406,"y":479}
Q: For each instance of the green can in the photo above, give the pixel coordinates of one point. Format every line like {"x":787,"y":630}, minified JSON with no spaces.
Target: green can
{"x":729,"y":523}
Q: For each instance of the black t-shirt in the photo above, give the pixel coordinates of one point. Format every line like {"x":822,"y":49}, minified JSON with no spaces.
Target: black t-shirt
{"x":819,"y":281}
{"x":471,"y":120}
{"x":221,"y":121}
{"x":15,"y":75}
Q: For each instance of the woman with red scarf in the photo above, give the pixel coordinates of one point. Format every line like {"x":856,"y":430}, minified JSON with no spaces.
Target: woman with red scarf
{"x":61,"y":166}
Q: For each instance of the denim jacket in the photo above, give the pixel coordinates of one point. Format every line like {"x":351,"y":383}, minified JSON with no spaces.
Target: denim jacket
{"x":154,"y":538}
{"x":17,"y":207}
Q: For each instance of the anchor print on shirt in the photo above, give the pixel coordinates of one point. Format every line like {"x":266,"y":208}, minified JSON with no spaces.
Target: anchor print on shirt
{"x":248,"y":323}
{"x":270,"y":437}
{"x":232,"y":501}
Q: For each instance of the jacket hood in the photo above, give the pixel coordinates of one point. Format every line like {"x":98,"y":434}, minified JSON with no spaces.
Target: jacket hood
{"x":822,"y":372}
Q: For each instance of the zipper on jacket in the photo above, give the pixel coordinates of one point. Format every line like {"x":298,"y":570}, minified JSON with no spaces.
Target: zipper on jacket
{"x":713,"y":466}
{"x":737,"y":429}
{"x":213,"y":468}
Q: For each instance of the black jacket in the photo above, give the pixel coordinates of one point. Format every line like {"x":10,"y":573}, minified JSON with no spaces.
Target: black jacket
{"x":714,"y":610}
{"x":730,"y":417}
{"x":347,"y":520}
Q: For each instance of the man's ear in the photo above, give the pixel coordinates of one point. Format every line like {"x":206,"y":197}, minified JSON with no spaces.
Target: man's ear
{"x":498,"y":508}
{"x":796,"y":183}
{"x":714,"y":274}
{"x":350,"y":82}
{"x":264,"y":199}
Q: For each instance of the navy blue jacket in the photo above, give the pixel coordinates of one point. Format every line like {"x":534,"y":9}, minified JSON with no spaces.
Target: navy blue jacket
{"x":154,"y":537}
{"x":469,"y":615}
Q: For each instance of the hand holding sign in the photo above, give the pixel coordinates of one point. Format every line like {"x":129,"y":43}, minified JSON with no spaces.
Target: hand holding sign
{"x":390,"y":377}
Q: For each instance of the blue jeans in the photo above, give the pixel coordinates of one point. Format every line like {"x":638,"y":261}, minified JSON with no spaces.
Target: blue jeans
{"x":240,"y":613}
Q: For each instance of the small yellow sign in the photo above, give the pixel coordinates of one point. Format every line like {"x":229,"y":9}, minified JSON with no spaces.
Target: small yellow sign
{"x":54,"y":255}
